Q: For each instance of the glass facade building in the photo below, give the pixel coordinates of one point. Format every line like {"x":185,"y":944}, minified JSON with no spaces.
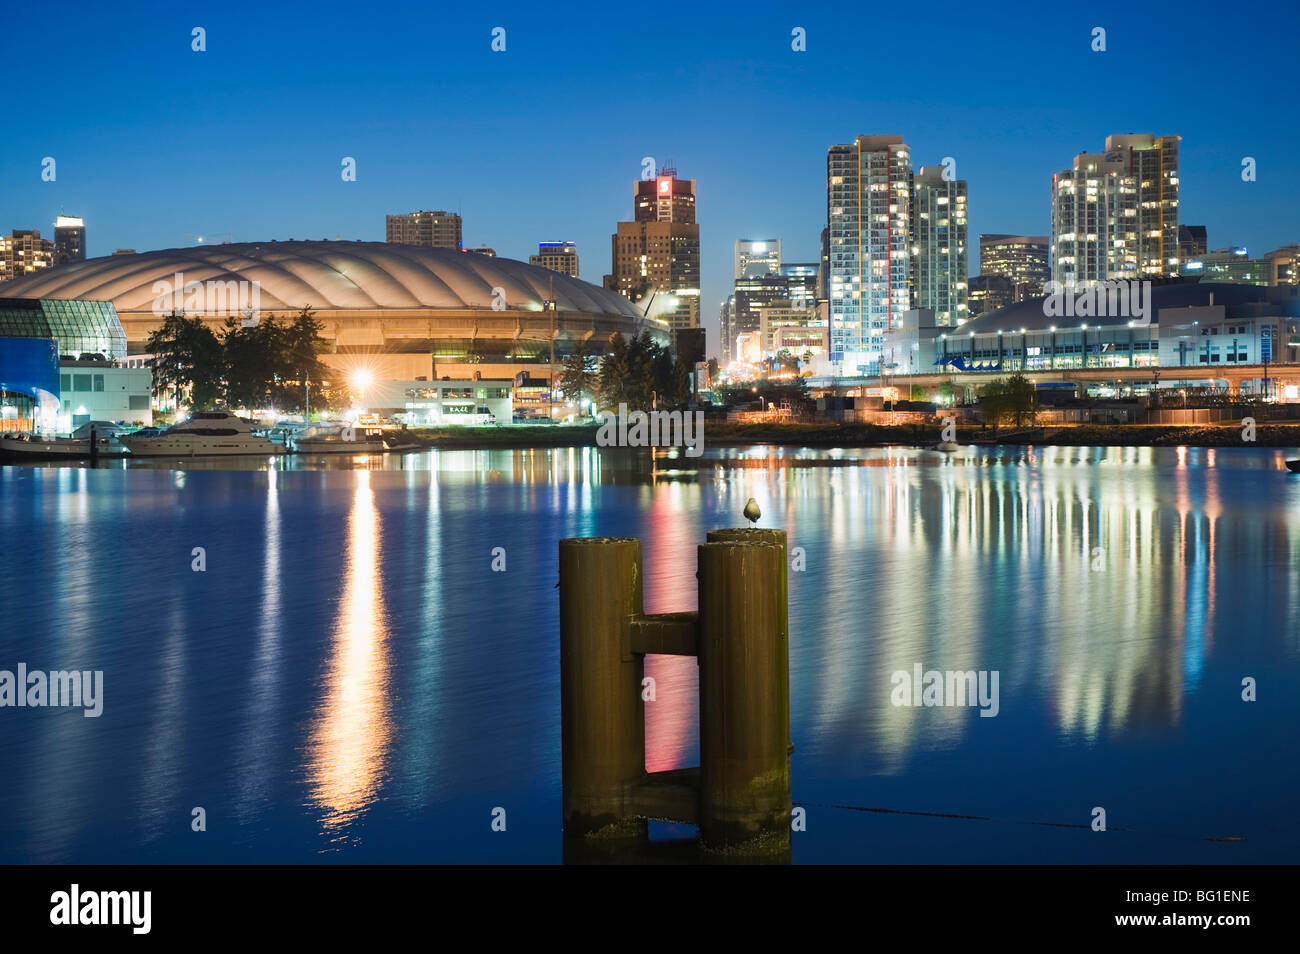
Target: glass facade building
{"x":79,"y":327}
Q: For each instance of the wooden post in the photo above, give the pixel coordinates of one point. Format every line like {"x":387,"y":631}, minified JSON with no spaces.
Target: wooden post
{"x":769,"y":535}
{"x":744,"y":754}
{"x":602,"y":721}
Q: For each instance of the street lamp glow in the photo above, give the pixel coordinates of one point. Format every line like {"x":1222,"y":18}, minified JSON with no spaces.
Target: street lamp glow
{"x":361,"y":379}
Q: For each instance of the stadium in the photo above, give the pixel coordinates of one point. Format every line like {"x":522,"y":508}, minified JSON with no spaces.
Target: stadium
{"x":398,"y":312}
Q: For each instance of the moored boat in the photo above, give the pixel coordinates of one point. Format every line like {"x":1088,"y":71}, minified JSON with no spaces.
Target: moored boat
{"x":340,"y":439}
{"x":204,"y":433}
{"x":1293,"y":466}
{"x":76,"y":447}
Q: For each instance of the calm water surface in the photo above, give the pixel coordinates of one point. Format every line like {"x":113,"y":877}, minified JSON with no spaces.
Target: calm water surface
{"x":350,"y":681}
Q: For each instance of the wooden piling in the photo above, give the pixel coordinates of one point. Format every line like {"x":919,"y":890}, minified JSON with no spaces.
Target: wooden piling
{"x":777,"y":537}
{"x":602,"y":719}
{"x":744,"y":730}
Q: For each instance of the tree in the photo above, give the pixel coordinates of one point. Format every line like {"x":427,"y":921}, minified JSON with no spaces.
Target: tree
{"x":252,"y":357}
{"x":1014,"y":399}
{"x":1022,"y":400}
{"x":576,"y":380}
{"x":301,"y":367}
{"x":187,"y":356}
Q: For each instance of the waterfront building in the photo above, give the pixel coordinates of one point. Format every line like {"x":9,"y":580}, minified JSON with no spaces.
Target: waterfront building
{"x":1188,"y":323}
{"x":43,"y":393}
{"x":869,"y":218}
{"x":1115,"y":214}
{"x":405,"y":312}
{"x":938,"y":246}
{"x":439,"y":229}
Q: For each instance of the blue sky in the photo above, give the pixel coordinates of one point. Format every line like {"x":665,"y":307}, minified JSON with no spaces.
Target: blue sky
{"x":156,"y":144}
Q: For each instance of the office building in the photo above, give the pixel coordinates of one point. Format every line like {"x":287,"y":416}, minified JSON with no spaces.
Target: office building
{"x":869,"y":217}
{"x":427,"y":229}
{"x":939,"y":250}
{"x":481,"y":250}
{"x":1232,"y":265}
{"x":559,"y":257}
{"x":655,"y":259}
{"x":1021,"y":258}
{"x":989,"y":293}
{"x":763,"y":253}
{"x":1115,"y":214}
{"x":69,"y":240}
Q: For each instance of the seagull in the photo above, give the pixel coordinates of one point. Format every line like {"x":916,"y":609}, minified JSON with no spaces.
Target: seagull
{"x":751,"y":511}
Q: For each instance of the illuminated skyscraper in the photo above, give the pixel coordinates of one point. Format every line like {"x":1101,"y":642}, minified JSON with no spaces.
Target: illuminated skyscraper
{"x":762,"y":252}
{"x":69,"y":239}
{"x":1115,"y":215}
{"x":869,"y":216}
{"x":655,"y":259}
{"x":939,"y":264}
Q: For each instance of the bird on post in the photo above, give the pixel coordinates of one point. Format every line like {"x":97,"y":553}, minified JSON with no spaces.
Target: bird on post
{"x":751,"y":511}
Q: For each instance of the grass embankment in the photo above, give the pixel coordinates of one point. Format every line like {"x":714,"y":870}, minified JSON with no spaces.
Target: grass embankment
{"x":870,"y":435}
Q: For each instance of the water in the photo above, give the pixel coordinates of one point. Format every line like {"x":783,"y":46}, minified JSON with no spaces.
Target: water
{"x":349,"y":680}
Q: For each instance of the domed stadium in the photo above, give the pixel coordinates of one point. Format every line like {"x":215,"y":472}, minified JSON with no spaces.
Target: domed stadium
{"x":401,"y":306}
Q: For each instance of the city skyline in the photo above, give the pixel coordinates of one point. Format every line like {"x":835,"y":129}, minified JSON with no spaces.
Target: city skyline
{"x":143,"y":175}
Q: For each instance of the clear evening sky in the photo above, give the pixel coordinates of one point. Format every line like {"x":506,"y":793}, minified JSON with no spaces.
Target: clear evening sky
{"x":156,"y":144}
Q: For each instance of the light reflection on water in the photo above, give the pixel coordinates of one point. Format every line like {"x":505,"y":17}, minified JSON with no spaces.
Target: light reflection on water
{"x":350,"y":675}
{"x":348,"y":743}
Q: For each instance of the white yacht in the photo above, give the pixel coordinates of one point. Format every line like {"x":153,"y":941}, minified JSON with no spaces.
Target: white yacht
{"x":35,"y":447}
{"x":204,"y":433}
{"x":340,"y":439}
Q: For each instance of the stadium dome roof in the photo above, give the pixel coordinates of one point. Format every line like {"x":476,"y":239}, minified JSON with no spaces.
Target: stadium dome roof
{"x":328,"y":276}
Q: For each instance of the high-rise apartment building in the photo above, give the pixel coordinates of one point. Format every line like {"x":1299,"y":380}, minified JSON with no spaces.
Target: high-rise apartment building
{"x":939,"y":250}
{"x":559,"y":257}
{"x":765,"y":253}
{"x":726,"y":336}
{"x":24,"y":252}
{"x":1115,"y":214}
{"x":869,"y":217}
{"x":69,"y":239}
{"x":655,"y":259}
{"x":430,"y":229}
{"x":1020,"y":258}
